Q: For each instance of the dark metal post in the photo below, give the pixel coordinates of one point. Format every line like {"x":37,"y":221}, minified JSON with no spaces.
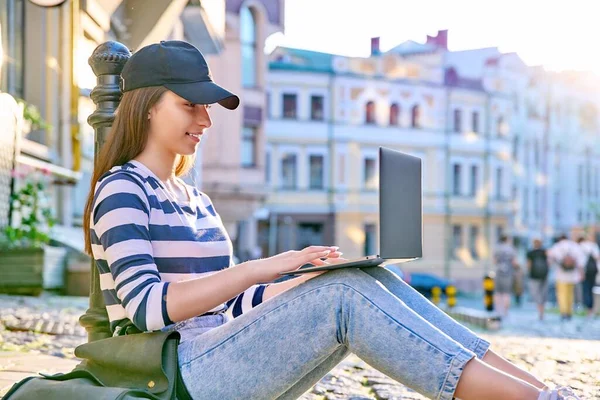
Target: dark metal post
{"x":106,"y":61}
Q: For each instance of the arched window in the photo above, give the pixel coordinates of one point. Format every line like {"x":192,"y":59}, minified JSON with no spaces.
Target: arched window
{"x":501,"y":126}
{"x":394,"y":114}
{"x":475,"y":122}
{"x":415,"y":116}
{"x":370,"y":112}
{"x":457,"y":120}
{"x":248,"y":42}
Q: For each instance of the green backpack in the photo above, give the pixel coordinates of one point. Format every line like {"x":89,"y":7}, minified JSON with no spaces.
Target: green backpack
{"x":138,"y":366}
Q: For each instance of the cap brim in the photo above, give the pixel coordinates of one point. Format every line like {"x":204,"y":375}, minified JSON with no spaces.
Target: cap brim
{"x":206,"y":92}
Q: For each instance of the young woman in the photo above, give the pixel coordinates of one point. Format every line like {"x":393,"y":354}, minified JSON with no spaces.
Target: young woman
{"x":165,"y":263}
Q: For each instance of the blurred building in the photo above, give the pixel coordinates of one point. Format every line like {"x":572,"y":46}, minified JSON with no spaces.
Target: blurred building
{"x":45,"y":62}
{"x":484,"y":123}
{"x":233,"y":161}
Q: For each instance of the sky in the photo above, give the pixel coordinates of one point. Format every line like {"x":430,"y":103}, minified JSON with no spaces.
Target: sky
{"x":560,"y":35}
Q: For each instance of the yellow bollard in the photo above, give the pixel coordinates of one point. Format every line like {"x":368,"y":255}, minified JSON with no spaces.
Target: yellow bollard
{"x":436,"y":293}
{"x":488,"y":292}
{"x":451,"y":295}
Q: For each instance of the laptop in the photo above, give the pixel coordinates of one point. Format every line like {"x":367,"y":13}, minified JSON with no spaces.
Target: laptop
{"x":400,"y":215}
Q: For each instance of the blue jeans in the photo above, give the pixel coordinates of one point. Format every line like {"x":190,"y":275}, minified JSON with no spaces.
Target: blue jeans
{"x":282,"y":347}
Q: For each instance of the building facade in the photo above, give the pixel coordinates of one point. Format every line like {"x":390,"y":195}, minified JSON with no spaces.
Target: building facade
{"x":484,"y":124}
{"x":232,"y":152}
{"x":45,"y":63}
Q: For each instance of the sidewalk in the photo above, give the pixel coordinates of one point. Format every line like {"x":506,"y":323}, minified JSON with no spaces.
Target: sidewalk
{"x":25,"y":353}
{"x":562,"y":352}
{"x":15,"y":366}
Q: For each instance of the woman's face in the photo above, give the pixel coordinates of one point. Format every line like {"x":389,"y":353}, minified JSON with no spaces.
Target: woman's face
{"x":176,"y":125}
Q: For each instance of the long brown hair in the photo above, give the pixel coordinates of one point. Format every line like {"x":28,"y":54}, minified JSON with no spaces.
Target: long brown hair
{"x":126,"y":140}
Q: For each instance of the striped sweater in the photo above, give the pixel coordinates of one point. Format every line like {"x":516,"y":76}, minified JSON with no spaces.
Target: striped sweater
{"x":143,"y":239}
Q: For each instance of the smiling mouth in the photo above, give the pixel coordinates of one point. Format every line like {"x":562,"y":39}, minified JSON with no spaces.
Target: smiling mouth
{"x":194,"y":136}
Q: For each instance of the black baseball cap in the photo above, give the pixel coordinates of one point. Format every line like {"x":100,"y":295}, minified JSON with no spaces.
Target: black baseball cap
{"x":178,"y":66}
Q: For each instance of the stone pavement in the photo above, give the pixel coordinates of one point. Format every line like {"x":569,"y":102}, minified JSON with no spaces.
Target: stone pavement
{"x":562,"y":353}
{"x":15,"y":366}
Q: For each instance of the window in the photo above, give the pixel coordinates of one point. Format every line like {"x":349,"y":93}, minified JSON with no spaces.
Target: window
{"x":268,"y":105}
{"x":248,"y":43}
{"x":499,"y":183}
{"x":289,"y":106}
{"x":370,"y":113}
{"x":248,"y":147}
{"x":499,"y":232}
{"x":316,"y":172}
{"x":536,"y":153}
{"x":316,"y":108}
{"x":473,"y":235}
{"x":268,"y":167}
{"x":557,"y":204}
{"x":515,"y":149}
{"x":415,"y":116}
{"x":457,"y":121}
{"x":288,"y":171}
{"x":457,"y":242}
{"x":501,"y":127}
{"x":475,"y":122}
{"x":370,"y":240}
{"x":370,"y":178}
{"x":588,"y":179}
{"x":474,"y":172}
{"x":394,"y":114}
{"x":456,"y":180}
{"x":309,"y":233}
{"x":342,"y":168}
{"x":12,"y":25}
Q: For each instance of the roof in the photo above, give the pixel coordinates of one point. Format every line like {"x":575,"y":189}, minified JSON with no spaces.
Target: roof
{"x":471,"y":63}
{"x":412,"y":47}
{"x":197,"y":31}
{"x":302,"y":60}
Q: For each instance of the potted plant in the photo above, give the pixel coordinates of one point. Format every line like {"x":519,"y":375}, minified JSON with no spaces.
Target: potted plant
{"x":27,"y":263}
{"x":32,"y":119}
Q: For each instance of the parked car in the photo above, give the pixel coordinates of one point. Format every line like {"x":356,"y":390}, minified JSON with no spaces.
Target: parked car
{"x":423,"y":282}
{"x":405,"y":276}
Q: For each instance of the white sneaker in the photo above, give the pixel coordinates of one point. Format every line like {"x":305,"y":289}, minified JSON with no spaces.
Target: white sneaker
{"x":560,"y":393}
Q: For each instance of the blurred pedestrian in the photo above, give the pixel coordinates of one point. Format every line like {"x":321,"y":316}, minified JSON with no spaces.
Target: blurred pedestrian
{"x":518,"y":284}
{"x":538,"y":271}
{"x":570,"y":260}
{"x":505,"y":260}
{"x":592,"y":255}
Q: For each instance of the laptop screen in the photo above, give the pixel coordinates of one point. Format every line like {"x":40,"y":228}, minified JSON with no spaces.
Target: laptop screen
{"x":400,"y":205}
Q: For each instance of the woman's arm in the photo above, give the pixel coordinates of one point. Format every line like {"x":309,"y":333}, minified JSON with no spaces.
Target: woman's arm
{"x":187,"y":299}
{"x":194,"y":297}
{"x":278,"y":288}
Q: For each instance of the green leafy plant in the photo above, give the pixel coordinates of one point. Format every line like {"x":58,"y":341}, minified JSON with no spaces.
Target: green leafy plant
{"x":32,"y":115}
{"x":34,"y":217}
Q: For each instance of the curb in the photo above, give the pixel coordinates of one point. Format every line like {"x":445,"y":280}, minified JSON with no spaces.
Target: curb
{"x":488,"y":320}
